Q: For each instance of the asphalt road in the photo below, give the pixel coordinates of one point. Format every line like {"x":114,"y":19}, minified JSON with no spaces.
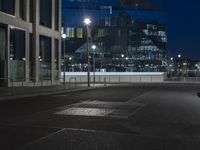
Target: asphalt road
{"x":126,"y":117}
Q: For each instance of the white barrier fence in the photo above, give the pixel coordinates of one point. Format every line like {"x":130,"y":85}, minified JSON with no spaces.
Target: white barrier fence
{"x":116,"y":77}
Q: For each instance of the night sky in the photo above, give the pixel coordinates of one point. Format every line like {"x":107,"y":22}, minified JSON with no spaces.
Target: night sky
{"x":183,"y":27}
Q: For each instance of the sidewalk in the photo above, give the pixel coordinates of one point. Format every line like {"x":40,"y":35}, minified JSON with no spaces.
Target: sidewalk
{"x":9,"y":93}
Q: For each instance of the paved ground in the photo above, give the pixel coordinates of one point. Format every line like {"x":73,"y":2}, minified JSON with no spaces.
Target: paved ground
{"x":21,"y":92}
{"x":128,"y":117}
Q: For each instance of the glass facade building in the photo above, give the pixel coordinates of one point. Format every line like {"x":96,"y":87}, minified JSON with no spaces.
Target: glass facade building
{"x":30,"y":43}
{"x":129,"y":36}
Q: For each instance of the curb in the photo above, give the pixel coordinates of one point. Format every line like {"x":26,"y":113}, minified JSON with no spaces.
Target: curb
{"x":6,"y":98}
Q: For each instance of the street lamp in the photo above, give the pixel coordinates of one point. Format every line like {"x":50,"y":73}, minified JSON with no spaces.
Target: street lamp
{"x":87,"y":22}
{"x":70,"y":64}
{"x":122,"y":56}
{"x":179,"y":66}
{"x":197,"y":70}
{"x":171,"y":65}
{"x":64,"y":36}
{"x":93,"y":48}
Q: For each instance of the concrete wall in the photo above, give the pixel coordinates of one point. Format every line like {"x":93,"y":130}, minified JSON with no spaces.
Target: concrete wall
{"x":115,"y":77}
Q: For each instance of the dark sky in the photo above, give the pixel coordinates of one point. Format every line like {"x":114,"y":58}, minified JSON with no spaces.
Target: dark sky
{"x":183,"y":27}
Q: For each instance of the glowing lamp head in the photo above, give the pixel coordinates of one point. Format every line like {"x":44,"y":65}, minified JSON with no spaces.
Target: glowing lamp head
{"x":94,"y":47}
{"x":87,"y":21}
{"x":64,"y":36}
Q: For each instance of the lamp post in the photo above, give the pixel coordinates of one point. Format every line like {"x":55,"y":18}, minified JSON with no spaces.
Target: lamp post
{"x":87,"y":22}
{"x":196,"y":65}
{"x":71,"y":63}
{"x":122,"y":55}
{"x":171,"y":66}
{"x":179,"y":69}
{"x":64,"y":70}
{"x":93,"y":48}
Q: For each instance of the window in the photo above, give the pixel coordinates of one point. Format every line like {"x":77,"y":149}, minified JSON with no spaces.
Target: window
{"x":31,"y":11}
{"x":45,"y":13}
{"x":56,"y":15}
{"x":70,"y":32}
{"x":107,"y":21}
{"x":45,"y":58}
{"x":100,"y":33}
{"x":22,"y":9}
{"x":79,"y":33}
{"x":17,"y":54}
{"x":2,"y":53}
{"x":31,"y":57}
{"x":7,"y":6}
{"x":89,"y":33}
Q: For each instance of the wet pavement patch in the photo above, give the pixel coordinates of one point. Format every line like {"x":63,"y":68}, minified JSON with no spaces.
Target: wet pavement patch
{"x":85,"y":111}
{"x":119,"y":110}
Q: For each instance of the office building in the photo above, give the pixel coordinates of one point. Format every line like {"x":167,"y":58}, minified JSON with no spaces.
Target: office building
{"x":30,"y":42}
{"x":129,"y":36}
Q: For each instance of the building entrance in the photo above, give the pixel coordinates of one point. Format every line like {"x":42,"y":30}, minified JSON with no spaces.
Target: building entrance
{"x":2,"y":56}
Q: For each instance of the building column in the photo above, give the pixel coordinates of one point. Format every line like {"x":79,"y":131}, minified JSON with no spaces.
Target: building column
{"x":27,"y":56}
{"x":8,"y":55}
{"x":52,"y":60}
{"x":36,"y":39}
{"x":17,"y":8}
{"x":53,"y":42}
{"x":59,"y":29}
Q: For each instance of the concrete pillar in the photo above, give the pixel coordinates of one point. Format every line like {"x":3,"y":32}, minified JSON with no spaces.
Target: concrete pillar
{"x":8,"y":54}
{"x":27,"y":56}
{"x":53,"y":42}
{"x":53,"y":14}
{"x":36,"y":39}
{"x":17,"y":8}
{"x":27,"y":10}
{"x":60,"y":20}
{"x":52,"y":60}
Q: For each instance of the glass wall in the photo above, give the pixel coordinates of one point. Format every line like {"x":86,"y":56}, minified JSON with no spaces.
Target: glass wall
{"x":45,"y":58}
{"x":45,"y":13}
{"x":7,"y":6}
{"x":2,"y":54}
{"x":17,"y":54}
{"x":31,"y":57}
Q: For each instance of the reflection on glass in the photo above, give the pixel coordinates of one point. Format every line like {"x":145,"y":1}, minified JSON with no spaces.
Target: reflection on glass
{"x":45,"y":58}
{"x":17,"y":54}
